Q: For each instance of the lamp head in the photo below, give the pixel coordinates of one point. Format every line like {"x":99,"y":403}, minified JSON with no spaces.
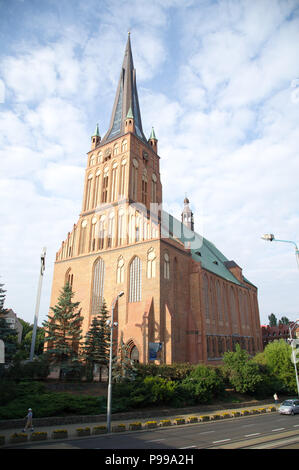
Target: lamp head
{"x":268,"y":236}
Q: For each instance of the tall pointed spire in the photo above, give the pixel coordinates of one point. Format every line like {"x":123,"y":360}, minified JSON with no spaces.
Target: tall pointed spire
{"x":126,"y":98}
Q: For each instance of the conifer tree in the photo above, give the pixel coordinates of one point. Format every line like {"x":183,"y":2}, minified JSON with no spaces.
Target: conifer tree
{"x":97,"y":341}
{"x":63,"y":331}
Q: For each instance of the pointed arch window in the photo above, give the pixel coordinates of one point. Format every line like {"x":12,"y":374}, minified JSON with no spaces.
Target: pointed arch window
{"x":124,"y":145}
{"x":102,"y":232}
{"x":93,"y":237}
{"x":105,"y":185}
{"x":88,"y":192}
{"x":154,"y":188}
{"x":166,"y":266}
{"x":120,"y":272}
{"x":97,"y":286}
{"x":110,"y":230}
{"x":96,"y":189}
{"x":206,"y":296}
{"x":115,"y":149}
{"x":144,"y":187}
{"x":100,"y":157}
{"x":151,"y":263}
{"x":69,"y":277}
{"x":92,"y":160}
{"x":122,"y":178}
{"x":121,"y":227}
{"x":82,"y":241}
{"x":134,"y":181}
{"x":114,"y":182}
{"x":135,"y":280}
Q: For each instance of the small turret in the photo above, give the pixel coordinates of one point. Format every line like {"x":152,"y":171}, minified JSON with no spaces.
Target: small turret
{"x":153,"y":141}
{"x":95,"y":138}
{"x":129,"y":122}
{"x":187,"y":215}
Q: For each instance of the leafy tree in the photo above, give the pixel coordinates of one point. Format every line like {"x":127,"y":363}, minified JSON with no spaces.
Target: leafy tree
{"x":7,"y":334}
{"x":277,"y":357}
{"x":63,"y":332}
{"x":272,"y":320}
{"x":97,"y":341}
{"x":243,"y":373}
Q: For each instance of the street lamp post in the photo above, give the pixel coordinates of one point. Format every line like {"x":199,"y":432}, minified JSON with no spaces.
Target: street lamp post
{"x":109,"y":395}
{"x":270,"y":237}
{"x":293,"y":345}
{"x":42,"y":270}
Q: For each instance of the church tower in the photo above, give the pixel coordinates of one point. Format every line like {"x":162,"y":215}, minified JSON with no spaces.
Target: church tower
{"x":181,"y":303}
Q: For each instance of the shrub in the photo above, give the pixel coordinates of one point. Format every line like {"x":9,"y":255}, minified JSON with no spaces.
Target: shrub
{"x":18,"y":437}
{"x":39,"y":436}
{"x":99,"y":429}
{"x":214,"y":417}
{"x":235,"y":414}
{"x":135,"y":426}
{"x":119,"y":428}
{"x":59,"y":433}
{"x":226,"y":415}
{"x":83,"y":431}
{"x":165,"y":422}
{"x":179,"y":420}
{"x":205,"y":418}
{"x":192,"y":419}
{"x":203,"y":384}
{"x":151,"y":424}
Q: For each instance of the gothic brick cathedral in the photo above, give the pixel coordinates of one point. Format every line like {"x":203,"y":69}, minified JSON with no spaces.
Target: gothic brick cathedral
{"x":182,"y":296}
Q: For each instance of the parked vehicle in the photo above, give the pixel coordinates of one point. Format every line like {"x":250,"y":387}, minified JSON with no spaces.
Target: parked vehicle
{"x":289,"y":407}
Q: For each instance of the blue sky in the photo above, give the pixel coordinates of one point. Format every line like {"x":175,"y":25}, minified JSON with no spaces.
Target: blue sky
{"x":218,"y":80}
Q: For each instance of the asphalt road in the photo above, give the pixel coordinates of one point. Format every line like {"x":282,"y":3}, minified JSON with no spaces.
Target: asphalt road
{"x":256,"y":431}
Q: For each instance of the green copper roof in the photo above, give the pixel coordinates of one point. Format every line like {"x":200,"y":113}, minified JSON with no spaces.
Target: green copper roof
{"x":153,"y":135}
{"x":130,"y":114}
{"x":96,"y":132}
{"x":202,"y":250}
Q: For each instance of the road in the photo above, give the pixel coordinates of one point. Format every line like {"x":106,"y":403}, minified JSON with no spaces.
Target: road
{"x":269,"y":430}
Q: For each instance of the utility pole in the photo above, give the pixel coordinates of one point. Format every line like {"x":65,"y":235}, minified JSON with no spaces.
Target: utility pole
{"x":42,"y":270}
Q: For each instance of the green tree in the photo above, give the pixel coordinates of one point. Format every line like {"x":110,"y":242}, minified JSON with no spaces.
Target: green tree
{"x":272,"y":320}
{"x":63,"y":332}
{"x":203,"y":383}
{"x":7,"y":334}
{"x":277,"y":357}
{"x":97,"y":341}
{"x":243,"y":373}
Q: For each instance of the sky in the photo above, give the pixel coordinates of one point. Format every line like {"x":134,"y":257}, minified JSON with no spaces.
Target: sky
{"x":218,"y":80}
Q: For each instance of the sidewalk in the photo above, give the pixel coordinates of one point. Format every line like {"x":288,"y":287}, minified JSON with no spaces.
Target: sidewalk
{"x":182,"y":413}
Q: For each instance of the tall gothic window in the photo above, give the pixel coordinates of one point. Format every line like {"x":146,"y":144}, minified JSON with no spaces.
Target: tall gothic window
{"x":166,"y":266}
{"x":110,"y":230}
{"x":82,"y":241}
{"x":98,"y":286}
{"x":93,"y":234}
{"x":233,"y":308}
{"x":206,"y":296}
{"x":88,"y":192}
{"x":120,"y":271}
{"x":135,"y":280}
{"x":115,"y":149}
{"x":124,"y":145}
{"x":144,"y":187}
{"x":151,"y":263}
{"x":102,"y":232}
{"x":219,"y":303}
{"x":100,"y":157}
{"x":121,"y":227}
{"x":105,"y":185}
{"x":114,"y":183}
{"x":154,"y":188}
{"x":122,"y":184}
{"x":96,"y":188}
{"x":134,"y":181}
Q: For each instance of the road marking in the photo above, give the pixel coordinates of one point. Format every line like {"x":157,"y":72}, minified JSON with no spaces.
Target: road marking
{"x":278,"y":429}
{"x":222,"y":440}
{"x":156,"y":440}
{"x":254,"y":434}
{"x":296,"y":425}
{"x":206,"y":432}
{"x":189,"y":447}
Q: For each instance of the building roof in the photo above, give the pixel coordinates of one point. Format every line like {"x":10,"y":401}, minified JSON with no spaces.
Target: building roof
{"x":202,"y":250}
{"x":126,"y":100}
